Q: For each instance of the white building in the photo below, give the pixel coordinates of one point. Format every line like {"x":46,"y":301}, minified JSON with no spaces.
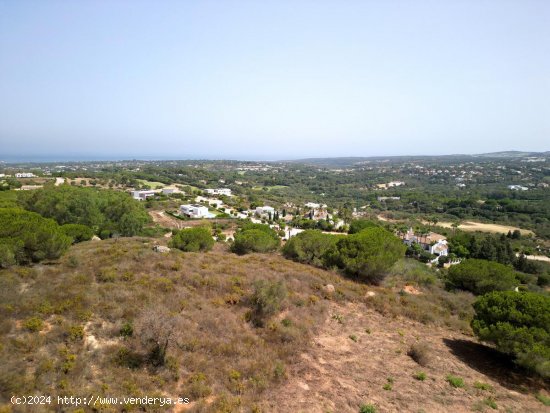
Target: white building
{"x":143,"y":195}
{"x":219,"y":191}
{"x":195,"y":211}
{"x":395,"y":183}
{"x":25,"y":175}
{"x":265,"y":210}
{"x":517,"y":188}
{"x":313,"y":205}
{"x":170,"y":190}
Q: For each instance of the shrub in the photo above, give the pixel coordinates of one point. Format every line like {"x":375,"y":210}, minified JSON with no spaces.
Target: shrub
{"x":518,"y":324}
{"x":255,"y":240}
{"x":33,"y":324}
{"x":76,"y":333}
{"x":368,"y":254}
{"x":490,"y":401}
{"x":266,"y":300}
{"x":420,"y":376}
{"x":309,"y":247}
{"x":127,"y":329}
{"x":455,"y":381}
{"x":481,"y":277}
{"x":77,"y":232}
{"x":198,"y":386}
{"x":421,"y":353}
{"x":193,"y":240}
{"x":543,"y":399}
{"x":483,"y":386}
{"x":367,"y":408}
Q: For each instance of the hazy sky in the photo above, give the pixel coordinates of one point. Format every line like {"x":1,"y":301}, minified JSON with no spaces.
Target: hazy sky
{"x":272,"y":79}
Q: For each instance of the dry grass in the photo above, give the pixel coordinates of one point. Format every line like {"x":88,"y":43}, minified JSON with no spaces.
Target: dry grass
{"x":301,"y":360}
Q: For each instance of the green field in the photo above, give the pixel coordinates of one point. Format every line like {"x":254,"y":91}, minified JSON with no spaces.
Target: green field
{"x":152,"y":184}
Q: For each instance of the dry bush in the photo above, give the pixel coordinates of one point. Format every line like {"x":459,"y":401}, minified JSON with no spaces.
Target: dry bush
{"x":421,"y":353}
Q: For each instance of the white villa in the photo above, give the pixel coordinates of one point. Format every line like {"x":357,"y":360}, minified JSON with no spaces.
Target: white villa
{"x":169,"y":190}
{"x":517,"y":188}
{"x":143,"y":195}
{"x":218,"y":191}
{"x":195,"y":211}
{"x":265,"y":210}
{"x":25,"y":175}
{"x":313,"y":205}
{"x":434,"y":243}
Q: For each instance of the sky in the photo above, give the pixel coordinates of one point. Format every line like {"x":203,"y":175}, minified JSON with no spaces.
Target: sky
{"x":271,"y":80}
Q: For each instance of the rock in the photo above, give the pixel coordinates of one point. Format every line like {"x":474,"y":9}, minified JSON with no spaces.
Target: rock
{"x":370,"y":294}
{"x":329,"y":288}
{"x":96,"y":238}
{"x":161,"y":248}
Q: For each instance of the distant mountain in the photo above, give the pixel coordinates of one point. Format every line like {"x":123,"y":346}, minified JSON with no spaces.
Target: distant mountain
{"x":513,"y":154}
{"x":346,"y":162}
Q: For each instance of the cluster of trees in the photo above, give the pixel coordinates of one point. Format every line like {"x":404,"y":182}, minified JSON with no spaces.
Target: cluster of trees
{"x":516,"y":322}
{"x":105,"y":212}
{"x":255,"y":238}
{"x":486,"y":247}
{"x":27,"y":237}
{"x":366,"y":255}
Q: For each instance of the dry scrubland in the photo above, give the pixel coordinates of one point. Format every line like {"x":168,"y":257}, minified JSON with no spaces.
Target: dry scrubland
{"x":77,"y":327}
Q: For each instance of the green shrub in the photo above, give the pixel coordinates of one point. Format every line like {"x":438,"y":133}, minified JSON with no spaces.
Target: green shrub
{"x":367,"y":408}
{"x":77,"y":232}
{"x":193,"y":239}
{"x":490,"y":401}
{"x":543,"y":399}
{"x":76,"y":333}
{"x":420,"y":376}
{"x":33,"y":324}
{"x":483,"y":386}
{"x":127,"y":329}
{"x":367,"y":255}
{"x":309,"y":246}
{"x":255,"y":240}
{"x":455,"y":381}
{"x":266,"y":300}
{"x":481,"y":277}
{"x":518,"y":324}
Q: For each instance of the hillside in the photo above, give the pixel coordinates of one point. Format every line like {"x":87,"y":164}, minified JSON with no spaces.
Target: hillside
{"x":85,"y":325}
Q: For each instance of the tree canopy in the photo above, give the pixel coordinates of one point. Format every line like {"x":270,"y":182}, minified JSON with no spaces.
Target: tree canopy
{"x":368,"y":254}
{"x":309,"y":247}
{"x":27,"y":237}
{"x":481,"y":276}
{"x":518,"y":324}
{"x":255,"y":238}
{"x":193,"y":239}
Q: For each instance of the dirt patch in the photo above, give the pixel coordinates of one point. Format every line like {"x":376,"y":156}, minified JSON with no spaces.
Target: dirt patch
{"x":165,"y":220}
{"x":479,"y":226}
{"x":357,"y":353}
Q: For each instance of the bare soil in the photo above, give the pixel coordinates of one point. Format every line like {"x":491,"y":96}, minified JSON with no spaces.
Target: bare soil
{"x":339,"y":374}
